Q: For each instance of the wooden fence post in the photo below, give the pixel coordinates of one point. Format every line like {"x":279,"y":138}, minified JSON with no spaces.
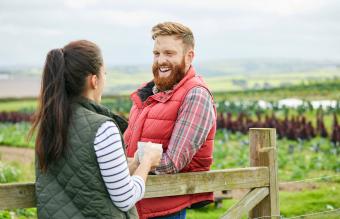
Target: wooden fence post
{"x":263,"y":153}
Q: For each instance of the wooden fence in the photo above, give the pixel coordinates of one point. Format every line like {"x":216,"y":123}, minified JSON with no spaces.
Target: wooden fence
{"x":260,"y":178}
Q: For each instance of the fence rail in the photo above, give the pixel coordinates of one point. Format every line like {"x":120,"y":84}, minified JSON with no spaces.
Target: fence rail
{"x":260,"y":178}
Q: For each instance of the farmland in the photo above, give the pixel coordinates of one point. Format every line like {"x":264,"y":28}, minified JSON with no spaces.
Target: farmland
{"x":315,"y":156}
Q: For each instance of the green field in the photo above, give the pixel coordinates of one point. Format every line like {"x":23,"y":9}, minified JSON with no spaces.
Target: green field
{"x":221,"y":75}
{"x":232,"y":150}
{"x":277,"y":80}
{"x":227,"y":82}
{"x":326,"y":89}
{"x":297,"y":160}
{"x":306,"y":201}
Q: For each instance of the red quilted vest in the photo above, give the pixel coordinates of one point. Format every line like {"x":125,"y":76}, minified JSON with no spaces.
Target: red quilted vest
{"x":153,"y":120}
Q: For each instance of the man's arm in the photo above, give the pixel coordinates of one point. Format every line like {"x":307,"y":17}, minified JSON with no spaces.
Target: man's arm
{"x":195,"y":118}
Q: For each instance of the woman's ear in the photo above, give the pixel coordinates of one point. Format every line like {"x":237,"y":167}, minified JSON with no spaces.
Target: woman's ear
{"x":93,"y":81}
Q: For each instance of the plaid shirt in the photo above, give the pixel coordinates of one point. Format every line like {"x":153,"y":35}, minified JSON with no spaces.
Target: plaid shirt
{"x":195,"y":118}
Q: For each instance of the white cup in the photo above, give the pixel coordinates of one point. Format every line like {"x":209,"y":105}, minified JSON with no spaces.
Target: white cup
{"x":141,"y":145}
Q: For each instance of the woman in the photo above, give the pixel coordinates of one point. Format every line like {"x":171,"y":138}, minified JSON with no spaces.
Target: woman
{"x":81,"y":168}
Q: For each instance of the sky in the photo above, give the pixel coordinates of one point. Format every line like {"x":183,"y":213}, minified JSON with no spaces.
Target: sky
{"x":225,"y":29}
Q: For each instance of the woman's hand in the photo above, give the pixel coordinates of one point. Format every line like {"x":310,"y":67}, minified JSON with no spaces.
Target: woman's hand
{"x":151,"y":153}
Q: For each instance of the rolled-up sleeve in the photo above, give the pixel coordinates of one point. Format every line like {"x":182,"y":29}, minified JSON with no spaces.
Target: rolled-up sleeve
{"x":195,"y":119}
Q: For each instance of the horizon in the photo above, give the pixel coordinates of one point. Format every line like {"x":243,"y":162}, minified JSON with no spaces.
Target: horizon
{"x":202,"y":63}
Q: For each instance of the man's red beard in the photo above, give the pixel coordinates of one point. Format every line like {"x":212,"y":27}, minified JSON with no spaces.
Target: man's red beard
{"x":167,"y":83}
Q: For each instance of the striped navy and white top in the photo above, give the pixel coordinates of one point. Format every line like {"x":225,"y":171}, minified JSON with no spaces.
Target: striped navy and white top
{"x":124,"y":190}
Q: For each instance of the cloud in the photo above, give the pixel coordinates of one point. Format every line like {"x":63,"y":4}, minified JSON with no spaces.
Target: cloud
{"x":18,"y":30}
{"x":223,"y":29}
{"x":80,"y":4}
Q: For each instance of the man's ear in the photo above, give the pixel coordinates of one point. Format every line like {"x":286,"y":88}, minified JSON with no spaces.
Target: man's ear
{"x":93,"y":81}
{"x":190,"y":56}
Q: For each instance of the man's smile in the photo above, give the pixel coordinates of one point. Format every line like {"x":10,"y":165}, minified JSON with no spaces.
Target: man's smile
{"x":164,"y":71}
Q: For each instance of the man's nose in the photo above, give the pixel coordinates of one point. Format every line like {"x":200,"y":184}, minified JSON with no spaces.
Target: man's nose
{"x":162,"y":59}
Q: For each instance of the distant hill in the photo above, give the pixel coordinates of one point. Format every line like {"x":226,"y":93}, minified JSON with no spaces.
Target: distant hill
{"x":263,"y":66}
{"x":244,"y":66}
{"x":221,"y":75}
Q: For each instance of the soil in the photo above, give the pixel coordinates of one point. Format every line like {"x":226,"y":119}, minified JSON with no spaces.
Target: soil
{"x":20,"y":87}
{"x":15,"y":154}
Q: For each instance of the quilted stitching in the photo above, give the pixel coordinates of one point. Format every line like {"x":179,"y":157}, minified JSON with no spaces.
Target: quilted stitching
{"x":73,"y":187}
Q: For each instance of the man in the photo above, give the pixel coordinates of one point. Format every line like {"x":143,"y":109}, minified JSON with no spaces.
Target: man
{"x":176,"y":110}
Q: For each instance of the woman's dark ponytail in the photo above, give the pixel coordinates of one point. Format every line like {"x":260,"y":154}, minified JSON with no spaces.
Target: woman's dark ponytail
{"x":63,"y":79}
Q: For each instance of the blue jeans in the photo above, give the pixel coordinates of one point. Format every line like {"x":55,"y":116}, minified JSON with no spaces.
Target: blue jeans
{"x":178,"y":215}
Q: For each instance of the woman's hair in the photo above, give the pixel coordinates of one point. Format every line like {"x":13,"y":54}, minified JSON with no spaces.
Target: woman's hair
{"x":63,"y":79}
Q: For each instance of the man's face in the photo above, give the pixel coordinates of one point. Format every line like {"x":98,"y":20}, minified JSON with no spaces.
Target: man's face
{"x":170,"y":61}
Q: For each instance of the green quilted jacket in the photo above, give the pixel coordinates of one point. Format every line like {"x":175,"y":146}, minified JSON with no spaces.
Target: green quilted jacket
{"x":73,"y":187}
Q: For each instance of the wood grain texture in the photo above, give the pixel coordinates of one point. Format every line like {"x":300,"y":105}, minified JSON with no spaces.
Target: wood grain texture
{"x":263,"y":153}
{"x":248,"y":202}
{"x":22,"y":195}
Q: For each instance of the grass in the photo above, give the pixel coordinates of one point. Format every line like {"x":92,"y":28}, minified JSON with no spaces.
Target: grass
{"x":324,"y":198}
{"x":9,"y":173}
{"x":116,"y":103}
{"x":16,"y":172}
{"x":28,"y":213}
{"x":17,"y":104}
{"x":307,"y":201}
{"x":15,"y":134}
{"x":231,"y":150}
{"x":328,"y":89}
{"x":319,"y":158}
{"x":296,"y":160}
{"x":223,"y":83}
